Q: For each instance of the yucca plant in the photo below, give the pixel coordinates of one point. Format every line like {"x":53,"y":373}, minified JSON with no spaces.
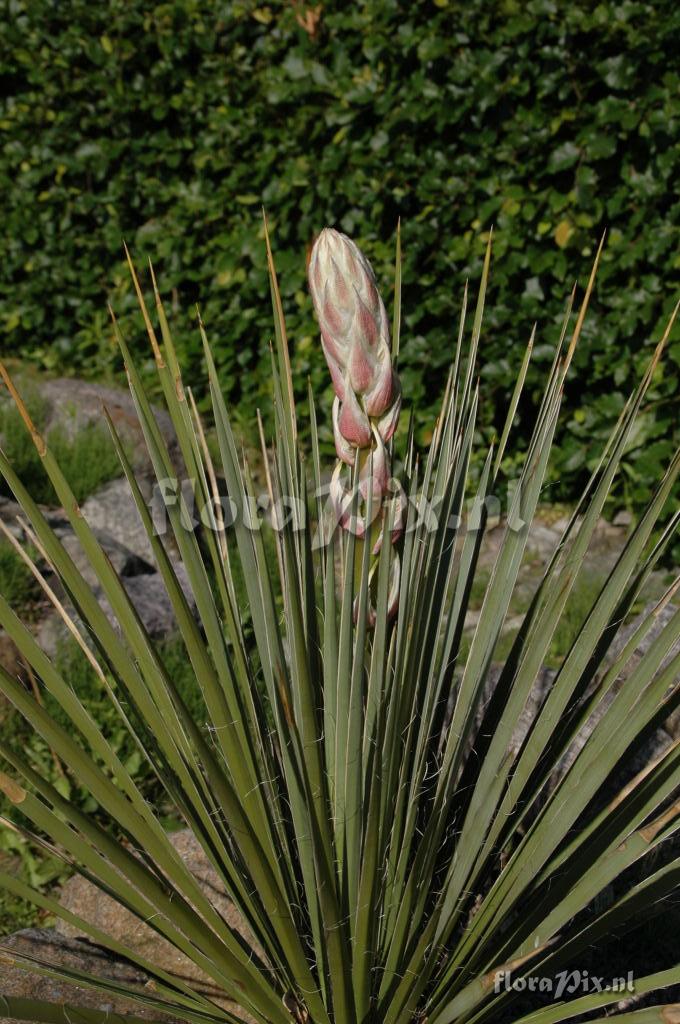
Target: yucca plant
{"x":356,"y":787}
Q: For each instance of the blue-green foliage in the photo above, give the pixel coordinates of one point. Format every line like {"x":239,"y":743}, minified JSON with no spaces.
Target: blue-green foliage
{"x":33,"y":866}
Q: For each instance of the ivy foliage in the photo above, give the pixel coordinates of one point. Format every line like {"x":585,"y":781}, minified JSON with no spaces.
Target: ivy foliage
{"x":171,"y":124}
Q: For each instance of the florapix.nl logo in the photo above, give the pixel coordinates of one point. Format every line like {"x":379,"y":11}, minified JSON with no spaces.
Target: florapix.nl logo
{"x":565,"y":983}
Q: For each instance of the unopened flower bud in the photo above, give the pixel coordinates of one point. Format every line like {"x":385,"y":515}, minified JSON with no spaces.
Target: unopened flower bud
{"x":354,"y":329}
{"x":356,"y":344}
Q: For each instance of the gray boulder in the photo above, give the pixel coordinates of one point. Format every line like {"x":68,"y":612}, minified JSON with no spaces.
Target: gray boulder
{"x":661,"y":738}
{"x":11,"y":512}
{"x":124,"y":560}
{"x":149,"y":598}
{"x":151,"y":601}
{"x":672,"y":724}
{"x":111,"y":511}
{"x":73,"y":404}
{"x":657,"y":743}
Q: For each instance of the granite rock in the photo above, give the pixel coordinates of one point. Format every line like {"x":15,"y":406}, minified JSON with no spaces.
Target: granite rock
{"x":151,"y":601}
{"x":82,"y":898}
{"x":124,"y":560}
{"x":68,"y":946}
{"x":112,"y":511}
{"x":73,"y":953}
{"x":74,"y":403}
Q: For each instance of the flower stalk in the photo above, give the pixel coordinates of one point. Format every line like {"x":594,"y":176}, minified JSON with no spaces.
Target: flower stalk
{"x":356,"y":343}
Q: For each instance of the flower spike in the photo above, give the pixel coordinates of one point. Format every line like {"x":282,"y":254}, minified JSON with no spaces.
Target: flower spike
{"x":356,"y":343}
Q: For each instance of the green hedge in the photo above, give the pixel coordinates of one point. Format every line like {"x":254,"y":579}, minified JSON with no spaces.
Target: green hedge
{"x":170,"y":124}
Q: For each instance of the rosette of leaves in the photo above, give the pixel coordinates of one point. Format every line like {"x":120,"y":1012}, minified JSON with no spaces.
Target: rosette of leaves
{"x":354,"y":787}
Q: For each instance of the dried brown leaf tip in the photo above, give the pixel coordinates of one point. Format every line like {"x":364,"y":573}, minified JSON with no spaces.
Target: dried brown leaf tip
{"x":15,"y":793}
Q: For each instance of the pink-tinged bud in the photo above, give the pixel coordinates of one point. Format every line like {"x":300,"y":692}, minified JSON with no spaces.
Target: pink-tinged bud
{"x":344,"y":292}
{"x":375,"y":474}
{"x":353,"y":422}
{"x":361,"y":368}
{"x":345,"y":451}
{"x":388,"y":423}
{"x":380,"y":395}
{"x":351,"y":313}
{"x":355,"y":339}
{"x":336,"y":371}
{"x":341,"y":502}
